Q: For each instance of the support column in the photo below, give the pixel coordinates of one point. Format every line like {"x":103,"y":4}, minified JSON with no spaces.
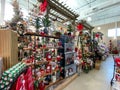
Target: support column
{"x":2,"y":11}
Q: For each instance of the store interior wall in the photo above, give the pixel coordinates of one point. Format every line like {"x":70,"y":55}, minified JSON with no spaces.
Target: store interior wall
{"x":104,"y":30}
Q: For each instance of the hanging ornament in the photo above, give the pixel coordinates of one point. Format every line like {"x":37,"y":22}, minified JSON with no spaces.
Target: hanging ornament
{"x":48,"y":68}
{"x":42,"y":72}
{"x":58,"y":58}
{"x":48,"y":57}
{"x":76,"y":49}
{"x":53,"y":50}
{"x":80,"y":27}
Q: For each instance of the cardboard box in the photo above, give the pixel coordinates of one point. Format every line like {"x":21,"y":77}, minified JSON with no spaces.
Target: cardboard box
{"x":97,"y":64}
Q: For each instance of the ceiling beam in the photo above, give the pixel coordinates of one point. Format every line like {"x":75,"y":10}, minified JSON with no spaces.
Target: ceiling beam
{"x":62,"y":10}
{"x":65,"y":20}
{"x":106,"y":21}
{"x":54,"y":19}
{"x":56,"y":16}
{"x":88,"y":3}
{"x":99,"y":8}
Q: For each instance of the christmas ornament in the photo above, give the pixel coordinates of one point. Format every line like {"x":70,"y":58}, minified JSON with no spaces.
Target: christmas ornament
{"x":97,"y":35}
{"x":48,"y":68}
{"x":42,"y":72}
{"x":76,"y":49}
{"x":58,"y":58}
{"x":44,"y":46}
{"x":48,"y":57}
{"x":53,"y":50}
{"x":42,"y":33}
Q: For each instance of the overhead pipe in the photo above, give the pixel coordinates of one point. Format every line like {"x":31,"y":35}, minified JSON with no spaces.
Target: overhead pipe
{"x":86,"y":4}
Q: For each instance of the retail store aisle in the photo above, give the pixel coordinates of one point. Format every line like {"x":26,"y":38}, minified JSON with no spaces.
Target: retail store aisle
{"x":95,"y":79}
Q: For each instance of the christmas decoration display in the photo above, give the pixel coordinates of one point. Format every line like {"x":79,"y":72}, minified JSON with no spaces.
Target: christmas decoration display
{"x":101,"y":50}
{"x":43,"y":57}
{"x":85,"y":43}
{"x":68,"y":52}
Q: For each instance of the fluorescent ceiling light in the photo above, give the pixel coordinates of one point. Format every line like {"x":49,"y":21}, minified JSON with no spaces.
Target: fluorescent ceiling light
{"x":89,"y":19}
{"x":98,"y":28}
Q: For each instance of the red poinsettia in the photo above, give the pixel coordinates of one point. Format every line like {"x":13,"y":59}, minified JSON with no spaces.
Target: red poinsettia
{"x":80,"y":27}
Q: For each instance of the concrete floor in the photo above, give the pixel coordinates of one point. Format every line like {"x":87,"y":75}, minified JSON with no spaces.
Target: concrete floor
{"x":95,"y":79}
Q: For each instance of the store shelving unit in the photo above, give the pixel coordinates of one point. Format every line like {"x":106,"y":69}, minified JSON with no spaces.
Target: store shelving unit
{"x":68,"y":55}
{"x":44,"y":60}
{"x":70,"y":67}
{"x":115,"y":81}
{"x":60,"y":12}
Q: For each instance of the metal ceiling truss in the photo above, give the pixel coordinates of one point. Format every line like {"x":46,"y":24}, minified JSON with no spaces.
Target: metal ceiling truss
{"x":60,"y":11}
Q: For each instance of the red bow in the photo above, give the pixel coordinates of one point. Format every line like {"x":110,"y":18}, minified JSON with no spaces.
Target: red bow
{"x":43,"y":6}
